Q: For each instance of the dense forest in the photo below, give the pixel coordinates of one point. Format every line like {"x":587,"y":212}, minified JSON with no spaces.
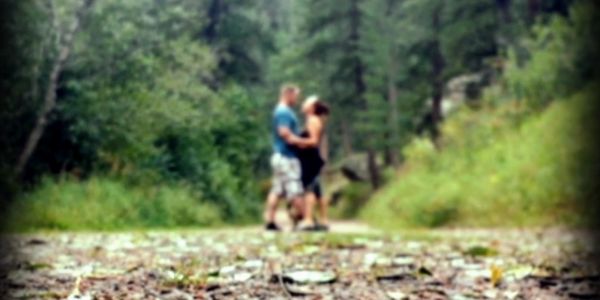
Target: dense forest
{"x":156,"y":112}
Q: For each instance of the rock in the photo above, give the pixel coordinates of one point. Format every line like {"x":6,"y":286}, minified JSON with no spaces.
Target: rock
{"x":355,"y":167}
{"x":465,"y":87}
{"x":459,"y":90}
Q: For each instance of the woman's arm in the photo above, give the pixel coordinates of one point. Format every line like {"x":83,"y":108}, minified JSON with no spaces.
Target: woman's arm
{"x":324,"y":149}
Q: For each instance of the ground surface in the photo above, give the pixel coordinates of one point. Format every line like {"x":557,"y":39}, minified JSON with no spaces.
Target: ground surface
{"x":250,"y":264}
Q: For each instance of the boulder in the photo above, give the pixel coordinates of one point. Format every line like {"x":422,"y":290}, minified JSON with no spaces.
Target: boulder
{"x":355,"y":167}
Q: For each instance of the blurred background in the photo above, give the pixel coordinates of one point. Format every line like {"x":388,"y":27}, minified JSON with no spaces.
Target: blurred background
{"x":155,"y":113}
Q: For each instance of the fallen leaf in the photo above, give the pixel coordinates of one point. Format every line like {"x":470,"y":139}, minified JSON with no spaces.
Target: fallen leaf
{"x":520,"y":272}
{"x":403,"y":261}
{"x":481,"y":251}
{"x":310,"y":276}
{"x":241,"y":276}
{"x":397,"y":295}
{"x":496,"y":275}
{"x":424,"y":271}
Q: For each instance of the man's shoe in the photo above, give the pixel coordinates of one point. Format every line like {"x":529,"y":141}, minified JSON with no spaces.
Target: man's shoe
{"x":272,"y":227}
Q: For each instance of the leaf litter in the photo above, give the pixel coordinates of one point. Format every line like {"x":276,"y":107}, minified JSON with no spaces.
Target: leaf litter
{"x":246,"y":264}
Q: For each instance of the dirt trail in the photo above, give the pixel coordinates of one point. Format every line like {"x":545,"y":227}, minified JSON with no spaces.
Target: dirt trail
{"x":248,"y":263}
{"x":335,"y":226}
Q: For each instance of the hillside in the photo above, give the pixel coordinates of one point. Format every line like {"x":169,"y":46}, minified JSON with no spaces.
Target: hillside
{"x":497,"y":166}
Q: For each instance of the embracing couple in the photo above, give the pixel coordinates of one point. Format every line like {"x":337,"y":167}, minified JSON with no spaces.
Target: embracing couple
{"x":298,"y":157}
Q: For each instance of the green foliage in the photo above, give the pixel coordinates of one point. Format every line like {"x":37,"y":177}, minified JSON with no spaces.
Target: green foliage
{"x":494,"y":171}
{"x":136,"y":102}
{"x":556,"y":60}
{"x":108,"y":204}
{"x":510,"y":162}
{"x":177,"y":93}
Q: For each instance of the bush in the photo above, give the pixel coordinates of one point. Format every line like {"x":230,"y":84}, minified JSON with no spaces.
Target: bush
{"x":495,"y":172}
{"x":353,"y":197}
{"x":108,"y":204}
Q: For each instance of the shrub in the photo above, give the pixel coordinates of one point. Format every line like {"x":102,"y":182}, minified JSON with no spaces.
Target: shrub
{"x":108,"y":204}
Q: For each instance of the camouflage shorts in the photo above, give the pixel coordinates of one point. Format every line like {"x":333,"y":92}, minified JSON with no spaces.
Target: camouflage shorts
{"x":286,"y":176}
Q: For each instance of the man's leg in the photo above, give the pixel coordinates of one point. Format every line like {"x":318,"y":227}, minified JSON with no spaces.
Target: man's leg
{"x":277,"y":190}
{"x":296,"y":209}
{"x":271,"y":207}
{"x":294,"y":189}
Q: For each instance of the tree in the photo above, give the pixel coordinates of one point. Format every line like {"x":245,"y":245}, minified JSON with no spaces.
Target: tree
{"x":240,"y":41}
{"x":22,"y":54}
{"x":334,"y":35}
{"x":382,"y":46}
{"x":454,"y":37}
{"x":66,"y":37}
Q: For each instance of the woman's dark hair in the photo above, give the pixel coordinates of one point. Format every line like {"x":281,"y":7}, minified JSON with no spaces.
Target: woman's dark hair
{"x":321,"y":109}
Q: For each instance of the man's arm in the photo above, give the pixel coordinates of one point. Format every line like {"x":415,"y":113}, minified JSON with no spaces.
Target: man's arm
{"x":283,"y":122}
{"x":285,"y":133}
{"x":313,"y":127}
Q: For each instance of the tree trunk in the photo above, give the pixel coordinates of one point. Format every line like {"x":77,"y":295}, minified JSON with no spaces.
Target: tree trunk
{"x":392,"y":133}
{"x":533,"y":8}
{"x":214,"y":17}
{"x":392,"y":150}
{"x":504,"y":8}
{"x":437,"y":80}
{"x":374,"y":173}
{"x":50,"y":96}
{"x":360,"y":88}
{"x":346,"y":138}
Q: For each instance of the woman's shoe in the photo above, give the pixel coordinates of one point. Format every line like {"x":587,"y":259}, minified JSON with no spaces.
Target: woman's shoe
{"x":321,"y":227}
{"x":306,"y":226}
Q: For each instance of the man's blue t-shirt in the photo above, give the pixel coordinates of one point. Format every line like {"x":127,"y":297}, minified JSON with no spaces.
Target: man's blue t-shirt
{"x":283,"y":116}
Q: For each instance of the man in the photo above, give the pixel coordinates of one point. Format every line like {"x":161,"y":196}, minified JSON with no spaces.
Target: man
{"x":287,"y":173}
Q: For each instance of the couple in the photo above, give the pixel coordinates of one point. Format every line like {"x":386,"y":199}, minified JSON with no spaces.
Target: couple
{"x":297,"y":160}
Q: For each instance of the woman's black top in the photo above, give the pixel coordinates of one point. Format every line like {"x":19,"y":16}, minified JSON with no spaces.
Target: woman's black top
{"x":310,"y":161}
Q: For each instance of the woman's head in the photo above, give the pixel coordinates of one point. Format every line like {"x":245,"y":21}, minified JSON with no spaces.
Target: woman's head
{"x":314,"y":105}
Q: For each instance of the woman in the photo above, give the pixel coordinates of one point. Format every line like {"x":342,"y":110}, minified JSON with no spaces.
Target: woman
{"x":312,"y":154}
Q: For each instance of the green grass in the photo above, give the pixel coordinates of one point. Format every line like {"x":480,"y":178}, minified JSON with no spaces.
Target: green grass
{"x":498,"y":166}
{"x":107,"y":204}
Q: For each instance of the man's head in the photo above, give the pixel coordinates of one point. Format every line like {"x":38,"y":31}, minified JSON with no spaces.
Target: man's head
{"x":289,"y":94}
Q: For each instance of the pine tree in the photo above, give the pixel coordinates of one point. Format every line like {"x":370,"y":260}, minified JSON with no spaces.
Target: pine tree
{"x":335,"y":36}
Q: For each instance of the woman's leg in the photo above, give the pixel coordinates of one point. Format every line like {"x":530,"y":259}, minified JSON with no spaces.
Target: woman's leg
{"x":309,"y":204}
{"x":323,"y":207}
